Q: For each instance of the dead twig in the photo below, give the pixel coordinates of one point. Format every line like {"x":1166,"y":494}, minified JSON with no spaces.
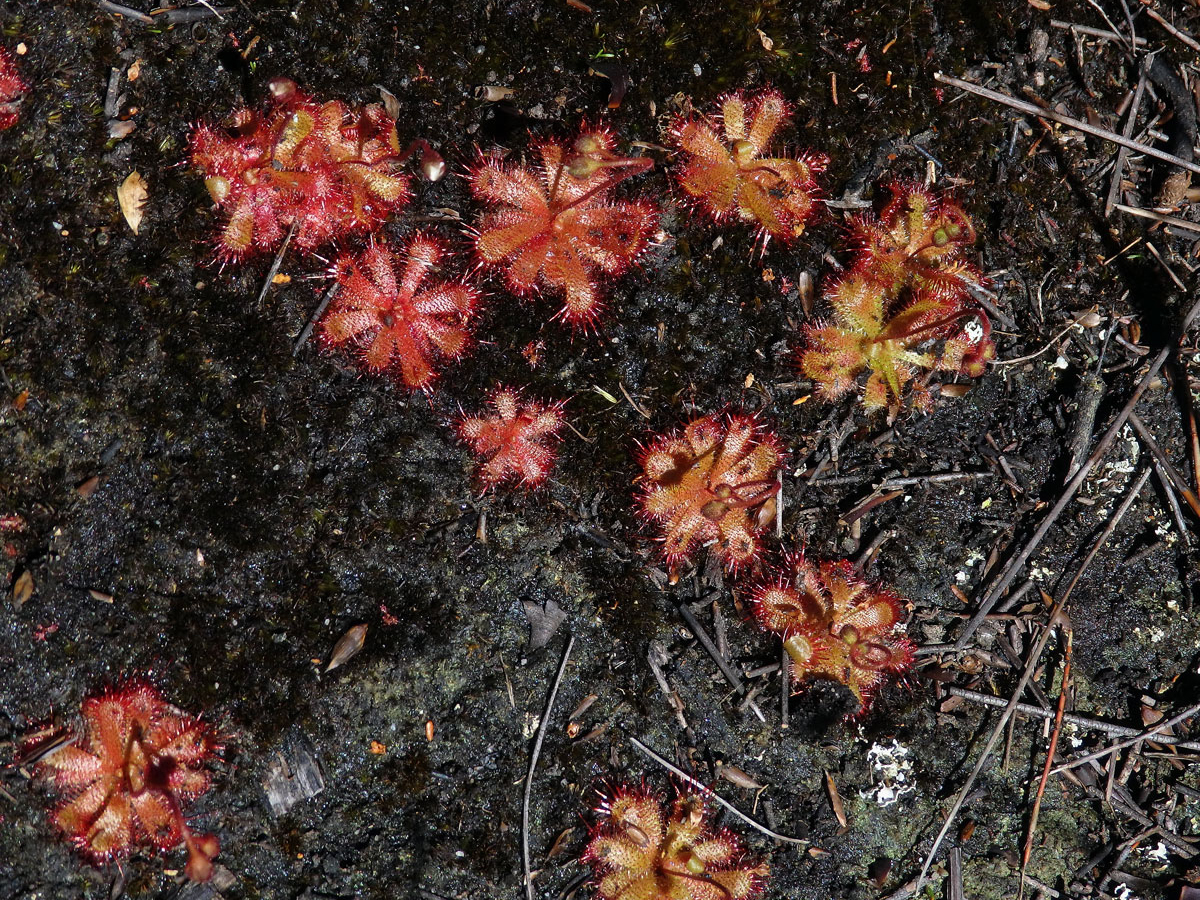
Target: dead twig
{"x":119,"y":10}
{"x":1109,"y":22}
{"x":955,"y":891}
{"x":836,"y":440}
{"x":1035,"y":654}
{"x":1049,"y":344}
{"x":1112,"y":728}
{"x":1063,"y":690}
{"x":1173,"y":478}
{"x":1090,"y":31}
{"x":694,"y":626}
{"x":277,"y":263}
{"x":172,"y":16}
{"x":1151,"y":734}
{"x":537,"y":751}
{"x":1182,"y":36}
{"x":867,"y":556}
{"x":1172,"y":221}
{"x":1114,"y":187}
{"x":1193,"y":441}
{"x":785,"y":687}
{"x":988,"y":599}
{"x":306,"y":333}
{"x":1078,"y":124}
{"x":911,"y":481}
{"x":709,"y":794}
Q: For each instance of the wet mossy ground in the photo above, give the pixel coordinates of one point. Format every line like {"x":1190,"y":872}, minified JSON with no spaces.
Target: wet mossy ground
{"x":254,"y":504}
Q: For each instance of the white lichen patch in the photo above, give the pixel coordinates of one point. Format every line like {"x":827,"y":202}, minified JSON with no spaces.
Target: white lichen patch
{"x":1163,"y":530}
{"x":974,"y":558}
{"x":1160,"y":853}
{"x":891,"y":773}
{"x":1040,"y":573}
{"x":1111,"y":478}
{"x":529,"y":725}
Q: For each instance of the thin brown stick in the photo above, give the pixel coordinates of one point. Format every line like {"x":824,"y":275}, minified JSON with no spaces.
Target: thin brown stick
{"x":1162,"y":262}
{"x":1055,"y":116}
{"x":709,"y":794}
{"x":1172,"y":503}
{"x":1171,"y":221}
{"x":537,"y":751}
{"x":1113,"y":522}
{"x":867,"y":555}
{"x":1090,"y":31}
{"x":277,"y":263}
{"x":836,"y":440}
{"x":1111,"y":728}
{"x":911,"y":481}
{"x":694,"y":626}
{"x":785,"y":686}
{"x":1063,"y":690}
{"x":1035,"y":654}
{"x":1109,"y":22}
{"x":956,"y":877}
{"x":1172,"y":30}
{"x":1173,"y":475}
{"x":1048,"y":346}
{"x":118,"y":9}
{"x":988,"y":599}
{"x":313,"y":319}
{"x":1151,"y":734}
{"x":1114,"y":187}
{"x":1193,"y":443}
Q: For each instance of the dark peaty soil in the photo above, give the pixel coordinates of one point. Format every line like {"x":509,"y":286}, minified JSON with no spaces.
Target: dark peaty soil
{"x":253,"y":504}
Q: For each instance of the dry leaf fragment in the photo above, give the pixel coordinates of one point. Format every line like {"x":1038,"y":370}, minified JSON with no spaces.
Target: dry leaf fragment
{"x":806,"y":290}
{"x":493,"y":93}
{"x":835,"y":801}
{"x":391,"y":105}
{"x":132,"y":195}
{"x":737,"y":776}
{"x":347,"y":646}
{"x":560,"y":843}
{"x":584,"y":706}
{"x":88,"y":486}
{"x":618,"y":77}
{"x":22,"y":588}
{"x":878,"y":871}
{"x":544,"y":620}
{"x":119,"y":129}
